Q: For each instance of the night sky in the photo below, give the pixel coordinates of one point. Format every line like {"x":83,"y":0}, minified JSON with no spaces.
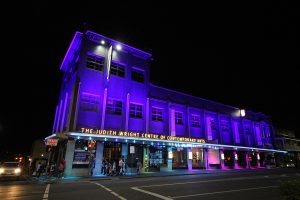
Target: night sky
{"x":244,"y":55}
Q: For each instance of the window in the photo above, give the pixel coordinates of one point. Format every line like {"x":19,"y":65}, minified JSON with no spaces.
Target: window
{"x":89,"y":102}
{"x":95,"y":62}
{"x":137,"y":76}
{"x":157,"y":114}
{"x":178,"y":118}
{"x":213,"y":124}
{"x":136,"y":110}
{"x":117,"y":69}
{"x":224,"y":126}
{"x":114,"y":107}
{"x":195,"y":120}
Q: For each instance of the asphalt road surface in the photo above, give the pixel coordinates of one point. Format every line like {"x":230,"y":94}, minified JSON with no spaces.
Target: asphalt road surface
{"x":235,"y":185}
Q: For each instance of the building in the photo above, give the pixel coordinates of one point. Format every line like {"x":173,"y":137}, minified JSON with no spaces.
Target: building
{"x":108,"y":109}
{"x":286,"y":139}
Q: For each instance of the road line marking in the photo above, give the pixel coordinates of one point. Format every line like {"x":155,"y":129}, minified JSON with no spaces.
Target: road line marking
{"x":225,"y":191}
{"x":151,"y":193}
{"x":109,"y":190}
{"x":46,"y":193}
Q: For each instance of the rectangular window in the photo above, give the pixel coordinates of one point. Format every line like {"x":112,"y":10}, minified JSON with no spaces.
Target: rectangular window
{"x":157,"y":114}
{"x":89,"y":102}
{"x":178,"y":118}
{"x":224,"y":126}
{"x":95,"y":62}
{"x":195,"y":120}
{"x":137,"y":76}
{"x":117,"y":69}
{"x":136,"y":110}
{"x":213,"y":124}
{"x":114,"y":107}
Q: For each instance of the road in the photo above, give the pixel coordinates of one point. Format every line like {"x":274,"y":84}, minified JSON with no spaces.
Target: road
{"x":237,"y":185}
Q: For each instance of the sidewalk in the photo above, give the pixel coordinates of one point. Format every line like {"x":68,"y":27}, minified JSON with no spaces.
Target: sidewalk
{"x":181,"y":172}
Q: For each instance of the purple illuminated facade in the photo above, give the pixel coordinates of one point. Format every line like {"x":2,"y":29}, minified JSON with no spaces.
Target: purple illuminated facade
{"x":108,"y":109}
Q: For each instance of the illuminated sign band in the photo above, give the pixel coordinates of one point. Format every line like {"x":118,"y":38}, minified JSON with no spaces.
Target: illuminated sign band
{"x":140,"y":135}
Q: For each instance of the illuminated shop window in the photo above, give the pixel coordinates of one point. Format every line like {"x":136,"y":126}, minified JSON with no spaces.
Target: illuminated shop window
{"x":89,"y":102}
{"x":178,"y":118}
{"x":95,"y":62}
{"x":157,"y":114}
{"x":137,"y":75}
{"x":136,"y":110}
{"x":195,"y":120}
{"x":117,"y":69}
{"x":114,"y":107}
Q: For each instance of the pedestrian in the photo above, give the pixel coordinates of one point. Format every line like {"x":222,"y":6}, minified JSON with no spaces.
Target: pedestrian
{"x":61,"y":168}
{"x":121,"y":163}
{"x":138,"y":167}
{"x":38,"y":169}
{"x":51,"y":170}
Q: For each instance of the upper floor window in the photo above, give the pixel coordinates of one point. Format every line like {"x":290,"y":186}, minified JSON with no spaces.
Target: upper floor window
{"x":224,"y":125}
{"x":213,"y":124}
{"x":195,"y":120}
{"x":136,"y":110}
{"x":89,"y":102}
{"x":178,"y":118}
{"x":117,"y":69}
{"x":114,"y":107}
{"x":157,"y":114}
{"x":137,"y":75}
{"x":95,"y":62}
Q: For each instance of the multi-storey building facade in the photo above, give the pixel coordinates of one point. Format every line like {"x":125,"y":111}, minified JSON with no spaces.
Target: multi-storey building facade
{"x":108,"y":109}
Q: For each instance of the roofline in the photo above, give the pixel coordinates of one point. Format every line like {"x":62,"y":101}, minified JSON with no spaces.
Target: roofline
{"x":77,"y":34}
{"x":194,"y":96}
{"x":117,"y":42}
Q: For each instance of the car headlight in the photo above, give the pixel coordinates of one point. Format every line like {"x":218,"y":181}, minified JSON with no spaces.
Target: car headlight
{"x":1,"y":170}
{"x":18,"y":170}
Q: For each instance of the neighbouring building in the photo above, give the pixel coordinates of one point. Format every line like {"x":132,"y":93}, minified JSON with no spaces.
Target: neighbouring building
{"x":286,"y":140}
{"x":108,"y":109}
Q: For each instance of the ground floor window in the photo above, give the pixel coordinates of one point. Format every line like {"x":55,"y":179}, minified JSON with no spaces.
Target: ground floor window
{"x":198,"y":158}
{"x":179,"y":160}
{"x":228,"y":158}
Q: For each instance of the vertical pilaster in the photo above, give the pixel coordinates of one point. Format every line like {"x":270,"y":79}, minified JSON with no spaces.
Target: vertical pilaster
{"x":55,"y":120}
{"x":206,"y":158}
{"x":147,"y":115}
{"x":236,"y":165}
{"x":63,"y":114}
{"x":189,"y":159}
{"x":58,"y":119}
{"x":99,"y":158}
{"x":172,"y":121}
{"x":69,"y":157}
{"x":127,"y":111}
{"x":104,"y":108}
{"x":222,"y":159}
{"x":188,"y":121}
{"x":76,"y":109}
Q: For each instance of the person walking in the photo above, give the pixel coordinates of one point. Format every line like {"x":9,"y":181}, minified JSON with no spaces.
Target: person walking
{"x":38,"y":169}
{"x":61,"y":168}
{"x":121,"y":167}
{"x":138,"y":167}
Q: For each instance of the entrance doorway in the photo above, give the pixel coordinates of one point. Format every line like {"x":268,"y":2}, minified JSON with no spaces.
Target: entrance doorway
{"x":198,"y":158}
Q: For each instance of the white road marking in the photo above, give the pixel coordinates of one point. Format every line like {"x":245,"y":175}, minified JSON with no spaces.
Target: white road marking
{"x":109,"y":190}
{"x":151,"y":193}
{"x":191,"y":182}
{"x":226,"y":191}
{"x":46,"y":194}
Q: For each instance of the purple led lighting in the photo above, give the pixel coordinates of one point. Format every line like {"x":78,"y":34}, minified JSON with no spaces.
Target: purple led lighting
{"x":130,"y":48}
{"x":73,"y":47}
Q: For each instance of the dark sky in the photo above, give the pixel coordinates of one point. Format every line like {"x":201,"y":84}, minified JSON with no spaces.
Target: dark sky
{"x":244,"y":55}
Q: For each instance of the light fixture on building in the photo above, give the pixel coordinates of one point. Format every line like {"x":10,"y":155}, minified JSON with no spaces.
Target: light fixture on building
{"x":102,"y":42}
{"x":170,"y":154}
{"x":243,"y":112}
{"x":236,"y":156}
{"x":258,"y":157}
{"x":190,"y":155}
{"x":222,"y":156}
{"x":118,"y":47}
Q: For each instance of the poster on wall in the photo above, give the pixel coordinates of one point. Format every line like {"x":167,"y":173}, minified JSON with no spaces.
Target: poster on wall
{"x":81,"y":157}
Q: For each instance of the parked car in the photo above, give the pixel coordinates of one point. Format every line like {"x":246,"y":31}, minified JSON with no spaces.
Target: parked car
{"x":10,"y":169}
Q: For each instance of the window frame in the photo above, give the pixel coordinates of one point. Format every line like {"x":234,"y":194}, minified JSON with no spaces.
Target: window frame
{"x":135,"y":113}
{"x":178,"y":120}
{"x":193,"y":121}
{"x":157,"y":115}
{"x":113,"y":109}
{"x":93,"y":64}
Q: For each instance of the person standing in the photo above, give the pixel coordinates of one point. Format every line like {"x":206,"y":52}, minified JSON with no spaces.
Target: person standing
{"x":61,"y":168}
{"x":38,"y":169}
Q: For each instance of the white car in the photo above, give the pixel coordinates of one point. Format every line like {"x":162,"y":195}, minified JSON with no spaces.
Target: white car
{"x":10,"y":169}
